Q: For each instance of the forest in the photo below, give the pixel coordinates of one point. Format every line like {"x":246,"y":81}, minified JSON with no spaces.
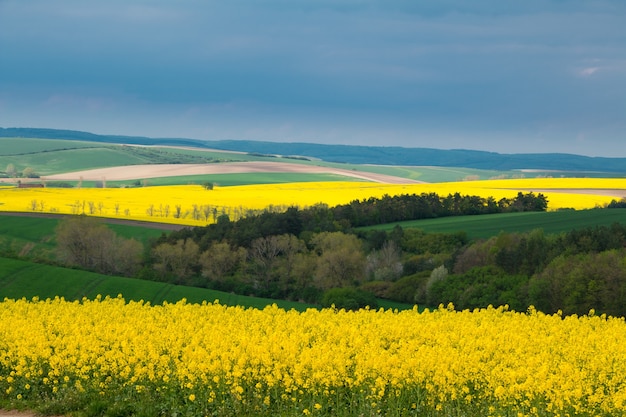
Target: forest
{"x":326,"y":256}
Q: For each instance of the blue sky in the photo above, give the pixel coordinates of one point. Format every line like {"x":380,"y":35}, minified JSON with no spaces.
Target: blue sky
{"x":521,"y":76}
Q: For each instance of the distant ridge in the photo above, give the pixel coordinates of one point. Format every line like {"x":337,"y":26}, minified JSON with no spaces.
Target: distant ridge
{"x":354,"y":154}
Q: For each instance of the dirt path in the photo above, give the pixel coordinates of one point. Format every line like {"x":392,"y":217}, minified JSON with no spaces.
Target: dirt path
{"x":14,"y":413}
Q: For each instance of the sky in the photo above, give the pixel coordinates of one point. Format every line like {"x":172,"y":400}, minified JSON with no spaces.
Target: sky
{"x":531,"y":76}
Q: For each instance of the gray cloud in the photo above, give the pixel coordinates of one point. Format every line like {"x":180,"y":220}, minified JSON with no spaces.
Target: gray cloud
{"x":532,"y":76}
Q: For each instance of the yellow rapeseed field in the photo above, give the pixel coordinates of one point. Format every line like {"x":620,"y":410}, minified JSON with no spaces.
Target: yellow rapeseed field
{"x":190,"y":359}
{"x":194,"y":205}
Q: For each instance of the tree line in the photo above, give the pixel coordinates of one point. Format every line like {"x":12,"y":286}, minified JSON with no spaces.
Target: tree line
{"x":571,"y":272}
{"x":294,"y":254}
{"x":318,"y":255}
{"x":358,"y":213}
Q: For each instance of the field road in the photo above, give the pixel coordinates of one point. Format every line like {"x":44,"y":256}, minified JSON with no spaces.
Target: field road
{"x":138,"y":172}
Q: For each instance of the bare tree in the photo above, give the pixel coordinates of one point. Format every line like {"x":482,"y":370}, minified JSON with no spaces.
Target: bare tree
{"x":385,"y":264}
{"x":86,"y":242}
{"x":263,"y":254}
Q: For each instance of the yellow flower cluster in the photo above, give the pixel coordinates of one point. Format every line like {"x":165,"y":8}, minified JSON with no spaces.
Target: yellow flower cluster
{"x":215,"y":359}
{"x":193,"y":205}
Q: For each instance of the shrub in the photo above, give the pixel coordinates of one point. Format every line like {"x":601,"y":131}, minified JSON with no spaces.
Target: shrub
{"x":348,"y":298}
{"x":377,"y":288}
{"x":405,"y":289}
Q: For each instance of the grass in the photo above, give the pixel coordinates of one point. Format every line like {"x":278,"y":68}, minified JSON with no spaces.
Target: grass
{"x":20,"y":146}
{"x":20,"y":279}
{"x":53,"y":162}
{"x":485,"y":226}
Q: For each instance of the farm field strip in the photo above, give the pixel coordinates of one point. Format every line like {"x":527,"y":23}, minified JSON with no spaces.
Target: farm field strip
{"x":488,"y":225}
{"x":169,"y":170}
{"x":211,"y":359}
{"x":194,"y":205}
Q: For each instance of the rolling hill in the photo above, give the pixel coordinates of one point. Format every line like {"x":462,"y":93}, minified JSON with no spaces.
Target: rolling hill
{"x":361,"y":154}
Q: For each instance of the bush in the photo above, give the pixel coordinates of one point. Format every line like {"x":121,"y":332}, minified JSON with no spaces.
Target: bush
{"x":479,"y":288}
{"x":377,"y":288}
{"x":405,"y":289}
{"x":348,"y":298}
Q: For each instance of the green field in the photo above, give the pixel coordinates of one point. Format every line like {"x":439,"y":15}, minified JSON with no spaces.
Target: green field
{"x":25,"y":279}
{"x":21,"y":146}
{"x":41,"y":229}
{"x":487,"y":225}
{"x":54,"y":162}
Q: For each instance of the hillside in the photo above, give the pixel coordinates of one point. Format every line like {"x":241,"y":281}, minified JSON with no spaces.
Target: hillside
{"x":360,"y":154}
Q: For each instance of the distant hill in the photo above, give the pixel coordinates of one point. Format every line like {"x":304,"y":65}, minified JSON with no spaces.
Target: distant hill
{"x":381,"y":155}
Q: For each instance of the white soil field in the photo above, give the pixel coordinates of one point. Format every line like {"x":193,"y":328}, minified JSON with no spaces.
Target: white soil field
{"x":137,"y":172}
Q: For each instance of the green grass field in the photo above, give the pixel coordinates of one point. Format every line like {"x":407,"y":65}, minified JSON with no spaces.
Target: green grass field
{"x":485,"y":226}
{"x":34,"y":236}
{"x":25,"y":279}
{"x":53,"y":162}
{"x":20,"y":146}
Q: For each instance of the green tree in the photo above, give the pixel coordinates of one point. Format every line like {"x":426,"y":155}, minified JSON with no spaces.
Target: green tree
{"x":220,"y":261}
{"x":578,"y":283}
{"x":349,"y":299}
{"x":11,"y":171}
{"x":340,"y":261}
{"x":178,"y":261}
{"x":28,"y":172}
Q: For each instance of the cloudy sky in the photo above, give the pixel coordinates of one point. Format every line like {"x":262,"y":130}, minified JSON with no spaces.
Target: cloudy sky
{"x":505,"y":76}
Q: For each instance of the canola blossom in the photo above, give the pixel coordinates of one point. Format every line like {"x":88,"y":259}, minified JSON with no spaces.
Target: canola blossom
{"x":209,"y":359}
{"x":193,"y":205}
